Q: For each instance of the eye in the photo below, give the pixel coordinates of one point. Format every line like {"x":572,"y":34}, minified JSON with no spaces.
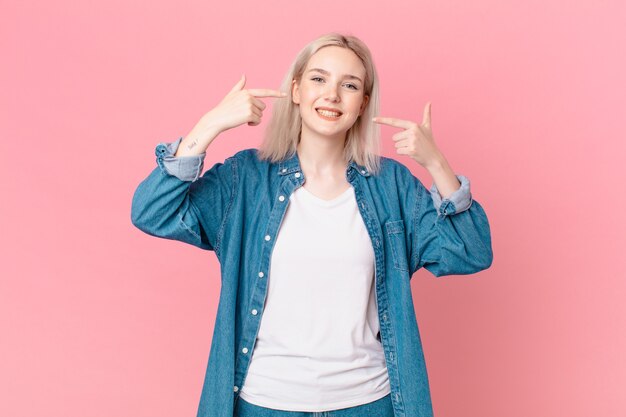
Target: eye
{"x":354,"y":87}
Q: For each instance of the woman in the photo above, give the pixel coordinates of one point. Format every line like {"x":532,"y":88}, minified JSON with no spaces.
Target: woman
{"x":338,"y":228}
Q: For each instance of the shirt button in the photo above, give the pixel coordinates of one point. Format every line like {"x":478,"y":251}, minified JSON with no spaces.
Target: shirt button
{"x":281,"y":198}
{"x":284,"y":169}
{"x":261,"y":274}
{"x":254,"y":312}
{"x":385,"y":317}
{"x":244,"y":350}
{"x":363,"y":172}
{"x":267,"y":237}
{"x":297,"y":175}
{"x":236,"y":388}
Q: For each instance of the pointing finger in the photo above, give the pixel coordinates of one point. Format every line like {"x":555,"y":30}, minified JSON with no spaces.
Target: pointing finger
{"x":263,"y":92}
{"x":404,"y":124}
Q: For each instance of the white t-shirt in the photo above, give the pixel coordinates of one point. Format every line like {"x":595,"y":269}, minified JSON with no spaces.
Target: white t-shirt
{"x":317,"y":347}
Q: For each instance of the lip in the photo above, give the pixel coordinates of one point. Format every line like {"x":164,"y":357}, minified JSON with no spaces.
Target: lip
{"x":329,"y":109}
{"x":330,"y":119}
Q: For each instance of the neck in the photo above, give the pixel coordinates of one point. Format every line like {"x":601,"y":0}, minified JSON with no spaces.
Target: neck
{"x":321,"y":155}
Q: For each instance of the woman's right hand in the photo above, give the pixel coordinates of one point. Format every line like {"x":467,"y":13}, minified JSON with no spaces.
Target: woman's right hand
{"x":238,"y":107}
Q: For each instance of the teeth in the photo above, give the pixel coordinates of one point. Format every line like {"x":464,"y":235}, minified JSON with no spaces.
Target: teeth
{"x":328,"y":113}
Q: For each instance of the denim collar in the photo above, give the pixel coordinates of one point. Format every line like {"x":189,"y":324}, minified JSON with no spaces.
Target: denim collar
{"x":292,"y":164}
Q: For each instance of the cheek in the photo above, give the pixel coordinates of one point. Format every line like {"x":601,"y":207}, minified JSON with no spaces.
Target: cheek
{"x":355,"y":107}
{"x":311,"y":95}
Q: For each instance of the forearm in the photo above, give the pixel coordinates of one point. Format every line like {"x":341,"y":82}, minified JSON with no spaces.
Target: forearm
{"x":199,"y":138}
{"x":193,"y":144}
{"x":443,"y":177}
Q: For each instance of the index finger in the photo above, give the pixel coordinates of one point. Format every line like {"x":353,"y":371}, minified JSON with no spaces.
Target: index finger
{"x":404,"y":124}
{"x":264,"y":92}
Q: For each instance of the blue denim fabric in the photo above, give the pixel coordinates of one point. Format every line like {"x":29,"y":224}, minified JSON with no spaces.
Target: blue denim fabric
{"x":236,"y":208}
{"x":187,"y":168}
{"x":379,"y":408}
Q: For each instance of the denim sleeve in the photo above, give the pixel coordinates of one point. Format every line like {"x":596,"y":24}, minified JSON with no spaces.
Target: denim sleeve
{"x":187,"y":168}
{"x":450,"y":236}
{"x":459,"y":201}
{"x":174,"y":202}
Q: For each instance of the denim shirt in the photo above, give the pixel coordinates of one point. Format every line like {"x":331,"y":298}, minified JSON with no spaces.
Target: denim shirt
{"x":236,"y":208}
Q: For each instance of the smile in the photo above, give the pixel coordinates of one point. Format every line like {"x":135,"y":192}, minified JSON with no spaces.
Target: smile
{"x":328,"y":115}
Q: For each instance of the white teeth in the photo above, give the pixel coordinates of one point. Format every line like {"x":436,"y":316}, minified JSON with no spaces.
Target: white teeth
{"x":328,"y":113}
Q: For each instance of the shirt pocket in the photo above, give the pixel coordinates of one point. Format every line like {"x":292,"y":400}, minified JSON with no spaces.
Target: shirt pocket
{"x":397,"y":243}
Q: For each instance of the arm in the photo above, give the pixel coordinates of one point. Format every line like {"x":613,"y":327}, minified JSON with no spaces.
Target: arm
{"x":447,"y":235}
{"x":175,"y":202}
{"x":450,"y":236}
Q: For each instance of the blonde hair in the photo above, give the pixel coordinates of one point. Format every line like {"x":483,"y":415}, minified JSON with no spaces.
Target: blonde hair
{"x":362,"y":144}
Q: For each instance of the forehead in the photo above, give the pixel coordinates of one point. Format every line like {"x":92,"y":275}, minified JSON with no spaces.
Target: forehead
{"x":337,"y":60}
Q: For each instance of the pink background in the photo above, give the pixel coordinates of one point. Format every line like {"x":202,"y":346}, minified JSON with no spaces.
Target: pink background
{"x":98,"y":319}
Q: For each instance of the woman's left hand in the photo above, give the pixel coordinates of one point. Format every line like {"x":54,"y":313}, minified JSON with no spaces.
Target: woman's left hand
{"x":416,"y":140}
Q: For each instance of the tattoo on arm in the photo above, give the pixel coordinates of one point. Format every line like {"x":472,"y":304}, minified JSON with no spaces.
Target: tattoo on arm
{"x":191,"y":145}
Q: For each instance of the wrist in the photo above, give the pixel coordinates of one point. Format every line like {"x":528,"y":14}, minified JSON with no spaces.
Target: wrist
{"x":437,"y":163}
{"x":192,"y":145}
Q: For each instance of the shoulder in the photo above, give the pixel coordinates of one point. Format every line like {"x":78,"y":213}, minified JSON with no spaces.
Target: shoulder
{"x":395,"y":174}
{"x":248,"y":162}
{"x":392,"y":168}
{"x":389,"y":164}
{"x":243,"y":158}
{"x":244,"y":154}
{"x":249,"y":155}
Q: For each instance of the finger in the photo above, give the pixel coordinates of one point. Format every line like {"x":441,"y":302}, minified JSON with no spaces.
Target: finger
{"x":404,"y":124}
{"x":257,"y":111}
{"x":401,"y":135}
{"x":400,"y":145}
{"x":402,"y":151}
{"x":426,"y":118}
{"x":254,"y":120}
{"x":258,"y":103}
{"x":240,"y":84}
{"x":264,"y":92}
{"x":402,"y":142}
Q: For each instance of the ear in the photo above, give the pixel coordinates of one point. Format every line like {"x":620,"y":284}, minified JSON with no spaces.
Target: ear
{"x":295,"y":92}
{"x":366,"y":100}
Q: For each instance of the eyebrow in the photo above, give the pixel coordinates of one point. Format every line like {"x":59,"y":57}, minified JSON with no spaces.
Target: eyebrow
{"x":323,"y":71}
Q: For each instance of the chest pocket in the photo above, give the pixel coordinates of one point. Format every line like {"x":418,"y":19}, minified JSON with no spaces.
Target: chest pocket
{"x":395,"y":235}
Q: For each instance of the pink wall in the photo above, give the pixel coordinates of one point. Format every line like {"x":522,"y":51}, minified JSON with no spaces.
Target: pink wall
{"x":98,"y":319}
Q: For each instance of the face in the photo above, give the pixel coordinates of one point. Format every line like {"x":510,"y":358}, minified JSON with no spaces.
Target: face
{"x":333,"y":80}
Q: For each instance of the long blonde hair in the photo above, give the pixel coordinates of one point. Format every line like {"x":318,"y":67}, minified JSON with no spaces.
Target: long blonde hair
{"x":362,"y":144}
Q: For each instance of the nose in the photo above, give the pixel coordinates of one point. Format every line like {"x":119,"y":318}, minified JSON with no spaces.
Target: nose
{"x":331,"y":93}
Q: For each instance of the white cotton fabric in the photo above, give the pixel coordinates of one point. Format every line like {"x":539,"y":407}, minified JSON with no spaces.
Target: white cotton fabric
{"x":317,"y":347}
